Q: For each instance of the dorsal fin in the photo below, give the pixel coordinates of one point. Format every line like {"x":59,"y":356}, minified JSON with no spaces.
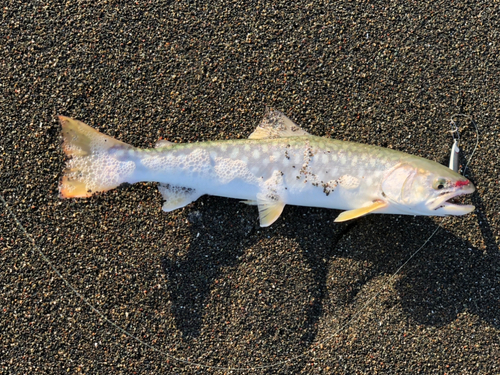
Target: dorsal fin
{"x":276,"y":125}
{"x":162,"y":143}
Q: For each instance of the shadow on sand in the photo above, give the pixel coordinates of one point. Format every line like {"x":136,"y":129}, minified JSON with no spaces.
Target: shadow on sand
{"x":447,"y":277}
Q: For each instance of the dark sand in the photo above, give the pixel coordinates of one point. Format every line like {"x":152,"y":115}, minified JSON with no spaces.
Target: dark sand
{"x":205,"y":284}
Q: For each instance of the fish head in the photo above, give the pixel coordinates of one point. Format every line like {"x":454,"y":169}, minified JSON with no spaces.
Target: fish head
{"x":424,"y":187}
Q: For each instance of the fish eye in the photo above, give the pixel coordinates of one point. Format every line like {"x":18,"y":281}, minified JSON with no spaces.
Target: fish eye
{"x":439,"y":184}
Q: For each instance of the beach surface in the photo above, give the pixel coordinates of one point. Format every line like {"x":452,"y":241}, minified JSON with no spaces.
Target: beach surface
{"x":113,"y":285}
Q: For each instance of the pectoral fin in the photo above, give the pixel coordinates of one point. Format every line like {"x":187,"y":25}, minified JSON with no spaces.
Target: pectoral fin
{"x":176,"y":196}
{"x":353,"y":214}
{"x":270,"y":209}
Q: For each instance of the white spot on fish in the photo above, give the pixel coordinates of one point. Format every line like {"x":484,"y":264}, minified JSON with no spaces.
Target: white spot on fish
{"x":234,"y":153}
{"x":256,"y":154}
{"x":244,"y":159}
{"x":334,"y":157}
{"x":119,"y":153}
{"x":265,"y":148}
{"x":223,"y":147}
{"x":348,"y":182}
{"x":227,"y":170}
{"x":247,"y":148}
{"x":181,"y":158}
{"x":324,"y":158}
{"x":213,"y":154}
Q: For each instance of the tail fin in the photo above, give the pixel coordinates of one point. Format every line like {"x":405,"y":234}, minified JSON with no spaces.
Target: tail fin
{"x":97,"y":162}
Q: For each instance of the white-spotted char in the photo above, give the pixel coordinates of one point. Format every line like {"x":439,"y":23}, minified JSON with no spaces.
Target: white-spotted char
{"x":278,"y":164}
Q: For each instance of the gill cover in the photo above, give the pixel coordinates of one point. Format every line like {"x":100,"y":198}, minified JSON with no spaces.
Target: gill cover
{"x":397,"y":184}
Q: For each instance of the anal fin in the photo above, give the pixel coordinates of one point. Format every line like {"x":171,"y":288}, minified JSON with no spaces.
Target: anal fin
{"x":270,"y":209}
{"x":358,"y":212}
{"x":271,"y":199}
{"x":176,"y":196}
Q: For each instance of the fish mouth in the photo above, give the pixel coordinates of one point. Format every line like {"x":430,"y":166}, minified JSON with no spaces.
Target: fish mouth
{"x":447,"y":204}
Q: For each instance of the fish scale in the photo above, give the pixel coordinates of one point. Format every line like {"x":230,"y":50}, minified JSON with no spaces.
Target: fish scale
{"x":278,"y":164}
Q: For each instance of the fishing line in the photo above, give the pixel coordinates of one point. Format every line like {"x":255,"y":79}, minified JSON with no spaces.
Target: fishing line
{"x":354,"y":318}
{"x":86,"y":301}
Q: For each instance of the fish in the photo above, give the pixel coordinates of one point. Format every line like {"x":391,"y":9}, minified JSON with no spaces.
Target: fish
{"x":279,"y":164}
